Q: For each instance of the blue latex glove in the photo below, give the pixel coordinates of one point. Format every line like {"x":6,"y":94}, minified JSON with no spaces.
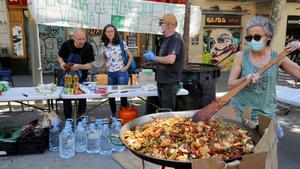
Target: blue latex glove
{"x":149,"y":55}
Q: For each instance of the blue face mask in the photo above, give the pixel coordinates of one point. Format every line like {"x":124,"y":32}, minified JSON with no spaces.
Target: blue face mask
{"x":256,"y":45}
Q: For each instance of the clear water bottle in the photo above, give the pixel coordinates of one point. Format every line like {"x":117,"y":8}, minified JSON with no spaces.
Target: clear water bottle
{"x":85,"y":121}
{"x":54,"y":136}
{"x":99,"y":124}
{"x":67,"y":141}
{"x":105,"y":144}
{"x":93,"y":139}
{"x":80,"y":138}
{"x":117,"y":145}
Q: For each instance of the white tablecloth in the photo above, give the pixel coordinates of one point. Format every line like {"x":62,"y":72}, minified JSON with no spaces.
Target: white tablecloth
{"x":82,"y":96}
{"x":28,"y":94}
{"x":288,"y":95}
{"x":138,"y":92}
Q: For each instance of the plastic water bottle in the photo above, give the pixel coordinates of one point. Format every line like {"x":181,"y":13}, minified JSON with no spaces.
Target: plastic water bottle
{"x":99,"y":124}
{"x":54,"y":136}
{"x":85,"y":120}
{"x":80,"y":138}
{"x":105,"y":144}
{"x":117,"y":145}
{"x":93,"y":139}
{"x":67,"y":141}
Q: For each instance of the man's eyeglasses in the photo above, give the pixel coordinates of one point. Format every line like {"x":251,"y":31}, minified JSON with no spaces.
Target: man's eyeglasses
{"x":256,"y":37}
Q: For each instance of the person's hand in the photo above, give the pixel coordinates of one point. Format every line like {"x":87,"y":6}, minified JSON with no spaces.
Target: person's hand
{"x":124,"y":69}
{"x":103,"y":69}
{"x":292,"y":46}
{"x":253,"y":76}
{"x":76,"y":67}
{"x":149,"y":55}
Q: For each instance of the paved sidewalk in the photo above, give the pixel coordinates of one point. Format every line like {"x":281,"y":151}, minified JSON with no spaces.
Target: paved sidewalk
{"x":288,"y":147}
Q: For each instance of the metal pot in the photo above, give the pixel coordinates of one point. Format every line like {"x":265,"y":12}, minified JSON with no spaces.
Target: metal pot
{"x":170,"y":163}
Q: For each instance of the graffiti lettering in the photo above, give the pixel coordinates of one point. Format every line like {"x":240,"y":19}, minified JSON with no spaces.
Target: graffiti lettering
{"x":51,"y":39}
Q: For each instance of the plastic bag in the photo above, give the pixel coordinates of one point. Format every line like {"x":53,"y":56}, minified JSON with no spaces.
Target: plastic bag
{"x":48,"y":118}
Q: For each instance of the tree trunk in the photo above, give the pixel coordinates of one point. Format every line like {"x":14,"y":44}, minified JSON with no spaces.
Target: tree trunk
{"x":186,"y":30}
{"x":278,"y":7}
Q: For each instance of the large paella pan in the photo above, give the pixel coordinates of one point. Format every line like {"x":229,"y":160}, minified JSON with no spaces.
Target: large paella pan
{"x":178,"y":164}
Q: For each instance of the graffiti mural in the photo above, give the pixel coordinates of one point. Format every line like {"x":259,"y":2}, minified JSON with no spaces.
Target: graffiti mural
{"x":17,"y":41}
{"x":97,"y":44}
{"x":219,"y":46}
{"x":51,"y":39}
{"x":292,"y":33}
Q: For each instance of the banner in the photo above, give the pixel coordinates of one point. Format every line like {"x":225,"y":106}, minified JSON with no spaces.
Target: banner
{"x":127,"y":15}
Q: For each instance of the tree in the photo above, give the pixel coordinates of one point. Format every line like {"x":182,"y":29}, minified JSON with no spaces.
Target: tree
{"x":186,"y":30}
{"x":278,"y":7}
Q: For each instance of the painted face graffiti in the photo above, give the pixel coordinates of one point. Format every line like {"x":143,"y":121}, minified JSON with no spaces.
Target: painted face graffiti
{"x":221,"y":43}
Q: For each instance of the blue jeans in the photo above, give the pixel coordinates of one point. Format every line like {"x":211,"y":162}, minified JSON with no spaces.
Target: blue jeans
{"x":117,"y":78}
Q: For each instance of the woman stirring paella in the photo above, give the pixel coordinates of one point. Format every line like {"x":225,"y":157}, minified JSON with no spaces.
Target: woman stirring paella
{"x":261,"y":93}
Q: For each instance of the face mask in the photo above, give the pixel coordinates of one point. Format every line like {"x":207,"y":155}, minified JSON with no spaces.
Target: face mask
{"x":162,"y":28}
{"x":256,"y":45}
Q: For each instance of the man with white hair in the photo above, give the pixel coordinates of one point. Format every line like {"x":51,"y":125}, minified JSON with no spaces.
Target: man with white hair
{"x":170,"y":62}
{"x":76,"y":56}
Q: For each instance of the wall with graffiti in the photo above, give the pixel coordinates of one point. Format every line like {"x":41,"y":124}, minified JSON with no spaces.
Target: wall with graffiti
{"x":94,"y":37}
{"x":219,"y":46}
{"x":51,"y":39}
{"x":292,"y":33}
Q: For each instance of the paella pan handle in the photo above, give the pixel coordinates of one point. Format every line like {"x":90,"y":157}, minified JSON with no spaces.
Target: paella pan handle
{"x":162,"y":110}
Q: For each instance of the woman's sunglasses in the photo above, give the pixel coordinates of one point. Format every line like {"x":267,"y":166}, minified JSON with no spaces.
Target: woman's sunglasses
{"x":255,"y":37}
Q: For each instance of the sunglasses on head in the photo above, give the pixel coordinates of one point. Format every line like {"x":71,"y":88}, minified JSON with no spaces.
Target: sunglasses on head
{"x":256,"y":37}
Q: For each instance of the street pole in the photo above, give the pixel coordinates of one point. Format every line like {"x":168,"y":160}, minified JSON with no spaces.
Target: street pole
{"x":186,"y":30}
{"x":36,"y":68}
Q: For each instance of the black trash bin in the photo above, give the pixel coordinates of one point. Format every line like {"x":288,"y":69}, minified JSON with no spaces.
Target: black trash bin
{"x":199,"y":80}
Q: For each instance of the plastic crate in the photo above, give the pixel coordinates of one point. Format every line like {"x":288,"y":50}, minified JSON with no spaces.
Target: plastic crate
{"x":8,"y":148}
{"x":34,"y":144}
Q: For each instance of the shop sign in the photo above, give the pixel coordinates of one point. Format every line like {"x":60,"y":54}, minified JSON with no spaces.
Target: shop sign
{"x":13,"y":2}
{"x":94,"y":32}
{"x":17,"y":2}
{"x":127,"y":15}
{"x":223,"y":20}
{"x":293,"y":22}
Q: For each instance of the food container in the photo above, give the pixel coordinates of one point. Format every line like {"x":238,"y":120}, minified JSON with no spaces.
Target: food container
{"x":102,"y":79}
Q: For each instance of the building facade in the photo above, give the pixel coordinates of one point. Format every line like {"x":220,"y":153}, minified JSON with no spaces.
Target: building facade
{"x":221,"y":34}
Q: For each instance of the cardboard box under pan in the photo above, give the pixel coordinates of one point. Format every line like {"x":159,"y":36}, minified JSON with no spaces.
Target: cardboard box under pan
{"x":265,"y":152}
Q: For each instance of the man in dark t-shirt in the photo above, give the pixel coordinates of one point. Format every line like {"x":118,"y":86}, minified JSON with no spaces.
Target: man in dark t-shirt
{"x":76,"y":55}
{"x":170,"y":62}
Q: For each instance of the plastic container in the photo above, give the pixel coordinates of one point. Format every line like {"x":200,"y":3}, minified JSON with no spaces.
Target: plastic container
{"x":34,"y":143}
{"x":117,"y":145}
{"x":146,"y":78}
{"x":80,"y":138}
{"x":67,"y":141}
{"x":128,"y":114}
{"x":54,"y":136}
{"x":200,"y":81}
{"x":93,"y":139}
{"x":105,"y":143}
